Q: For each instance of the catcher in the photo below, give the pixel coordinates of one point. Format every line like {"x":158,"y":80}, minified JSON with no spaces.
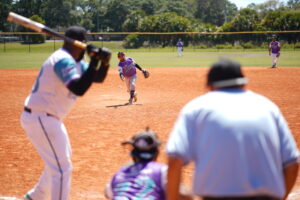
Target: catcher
{"x":127,"y":72}
{"x":144,"y":178}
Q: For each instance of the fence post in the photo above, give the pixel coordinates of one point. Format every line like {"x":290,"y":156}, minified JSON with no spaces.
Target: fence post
{"x":4,"y":45}
{"x":54,"y":44}
{"x":29,"y":46}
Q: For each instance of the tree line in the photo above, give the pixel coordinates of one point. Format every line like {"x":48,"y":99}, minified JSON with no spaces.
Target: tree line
{"x":160,"y":16}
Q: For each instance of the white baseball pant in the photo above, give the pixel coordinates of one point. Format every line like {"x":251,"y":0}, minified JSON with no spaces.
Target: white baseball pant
{"x":130,"y":82}
{"x":49,"y":137}
{"x":274,"y":58}
{"x":179,"y":51}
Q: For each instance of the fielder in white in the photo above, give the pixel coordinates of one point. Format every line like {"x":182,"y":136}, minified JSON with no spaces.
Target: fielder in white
{"x":62,"y":78}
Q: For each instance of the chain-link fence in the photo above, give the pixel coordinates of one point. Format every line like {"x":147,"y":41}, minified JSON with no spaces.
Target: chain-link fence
{"x":192,"y":41}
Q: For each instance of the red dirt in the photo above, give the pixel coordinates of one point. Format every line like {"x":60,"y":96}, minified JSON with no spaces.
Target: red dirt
{"x":97,"y":125}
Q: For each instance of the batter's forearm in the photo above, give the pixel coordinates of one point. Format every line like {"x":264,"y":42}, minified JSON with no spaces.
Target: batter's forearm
{"x":101,"y":73}
{"x":81,"y":85}
{"x":174,"y":177}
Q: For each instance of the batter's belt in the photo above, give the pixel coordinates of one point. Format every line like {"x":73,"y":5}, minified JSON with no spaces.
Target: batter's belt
{"x":26,"y":109}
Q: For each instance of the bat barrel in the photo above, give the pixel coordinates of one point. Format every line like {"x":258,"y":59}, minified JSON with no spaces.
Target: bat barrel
{"x":38,"y":27}
{"x":23,"y":21}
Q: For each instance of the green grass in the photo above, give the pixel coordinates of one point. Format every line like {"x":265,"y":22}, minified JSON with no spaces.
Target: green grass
{"x":17,"y":56}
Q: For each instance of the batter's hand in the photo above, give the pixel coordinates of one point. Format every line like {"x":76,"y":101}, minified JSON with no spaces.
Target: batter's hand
{"x":99,"y":53}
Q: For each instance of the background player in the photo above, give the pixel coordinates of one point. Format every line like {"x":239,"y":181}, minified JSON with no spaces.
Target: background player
{"x":239,"y":141}
{"x":274,"y":50}
{"x":144,"y":178}
{"x":62,"y":78}
{"x":127,"y":72}
{"x":179,"y":48}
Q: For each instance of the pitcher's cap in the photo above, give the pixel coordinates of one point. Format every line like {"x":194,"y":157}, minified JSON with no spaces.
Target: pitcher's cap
{"x":226,"y":73}
{"x":76,"y":33}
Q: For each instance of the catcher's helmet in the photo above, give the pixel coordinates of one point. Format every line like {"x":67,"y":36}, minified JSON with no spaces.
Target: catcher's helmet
{"x":145,"y":145}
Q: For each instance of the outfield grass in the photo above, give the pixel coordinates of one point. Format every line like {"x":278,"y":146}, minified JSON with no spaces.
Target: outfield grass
{"x":17,"y":55}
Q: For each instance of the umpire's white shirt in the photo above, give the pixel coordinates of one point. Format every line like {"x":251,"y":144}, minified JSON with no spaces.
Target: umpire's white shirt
{"x":239,"y":141}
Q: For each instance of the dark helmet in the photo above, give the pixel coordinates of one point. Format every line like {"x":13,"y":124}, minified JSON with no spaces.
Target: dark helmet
{"x":145,"y":145}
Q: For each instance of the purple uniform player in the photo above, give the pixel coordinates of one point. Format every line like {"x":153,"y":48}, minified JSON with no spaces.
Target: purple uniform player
{"x":144,"y":178}
{"x":179,"y":48}
{"x":127,"y":71}
{"x":274,"y":50}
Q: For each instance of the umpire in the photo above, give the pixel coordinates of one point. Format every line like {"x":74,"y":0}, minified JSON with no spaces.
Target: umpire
{"x":239,"y":141}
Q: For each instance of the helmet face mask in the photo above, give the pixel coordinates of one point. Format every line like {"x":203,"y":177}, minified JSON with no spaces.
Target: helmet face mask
{"x":145,"y":146}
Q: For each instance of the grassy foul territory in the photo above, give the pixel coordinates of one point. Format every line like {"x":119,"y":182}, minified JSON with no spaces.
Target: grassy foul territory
{"x":40,"y":28}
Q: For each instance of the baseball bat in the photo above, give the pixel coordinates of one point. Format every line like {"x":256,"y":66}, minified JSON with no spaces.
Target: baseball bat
{"x":41,"y":28}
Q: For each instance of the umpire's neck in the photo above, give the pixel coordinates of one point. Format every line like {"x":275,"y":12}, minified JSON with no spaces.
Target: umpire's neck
{"x":75,"y":52}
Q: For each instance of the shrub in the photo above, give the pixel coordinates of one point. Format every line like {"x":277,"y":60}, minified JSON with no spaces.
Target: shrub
{"x":247,"y":45}
{"x":133,"y":41}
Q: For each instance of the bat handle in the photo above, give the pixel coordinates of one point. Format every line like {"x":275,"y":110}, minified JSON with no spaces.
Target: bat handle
{"x":79,"y":44}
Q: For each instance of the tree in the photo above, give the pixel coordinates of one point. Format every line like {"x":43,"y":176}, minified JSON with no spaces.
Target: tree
{"x":59,"y":13}
{"x":5,"y":6}
{"x":177,"y":6}
{"x":215,"y":12}
{"x":132,"y":21}
{"x":166,"y":22}
{"x":246,"y":20}
{"x":117,"y":11}
{"x":294,"y":4}
{"x":28,"y":8}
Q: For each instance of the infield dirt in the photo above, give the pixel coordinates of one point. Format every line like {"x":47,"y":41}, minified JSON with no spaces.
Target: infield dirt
{"x":100,"y":121}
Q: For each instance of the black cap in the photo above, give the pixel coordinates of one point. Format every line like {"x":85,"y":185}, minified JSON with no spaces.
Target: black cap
{"x":145,"y":144}
{"x":121,"y":53}
{"x":226,"y":73}
{"x":76,"y":33}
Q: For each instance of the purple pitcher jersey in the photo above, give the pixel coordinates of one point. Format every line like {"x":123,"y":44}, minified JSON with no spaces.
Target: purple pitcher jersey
{"x":275,"y":47}
{"x":179,"y":44}
{"x":142,"y":180}
{"x":127,"y":67}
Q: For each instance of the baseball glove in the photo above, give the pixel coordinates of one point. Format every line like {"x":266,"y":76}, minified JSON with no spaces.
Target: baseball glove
{"x":278,"y":55}
{"x":146,"y":73}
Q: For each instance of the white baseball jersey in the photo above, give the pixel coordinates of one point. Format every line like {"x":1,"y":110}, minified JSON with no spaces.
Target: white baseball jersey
{"x":239,"y":141}
{"x":50,"y":93}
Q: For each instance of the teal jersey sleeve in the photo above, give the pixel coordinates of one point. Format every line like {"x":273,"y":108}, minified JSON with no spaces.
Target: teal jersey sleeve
{"x":66,"y":70}
{"x":84,"y":66}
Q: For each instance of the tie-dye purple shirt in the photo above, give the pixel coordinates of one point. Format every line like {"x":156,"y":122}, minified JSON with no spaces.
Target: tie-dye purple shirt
{"x":275,"y":47}
{"x":127,"y":67}
{"x":142,"y":180}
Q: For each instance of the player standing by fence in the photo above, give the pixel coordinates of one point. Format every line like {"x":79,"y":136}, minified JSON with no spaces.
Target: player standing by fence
{"x":179,"y":48}
{"x":274,"y":50}
{"x":62,"y":78}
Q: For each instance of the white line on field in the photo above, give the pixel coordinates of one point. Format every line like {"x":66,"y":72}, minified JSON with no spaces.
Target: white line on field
{"x":8,"y":198}
{"x":294,"y":195}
